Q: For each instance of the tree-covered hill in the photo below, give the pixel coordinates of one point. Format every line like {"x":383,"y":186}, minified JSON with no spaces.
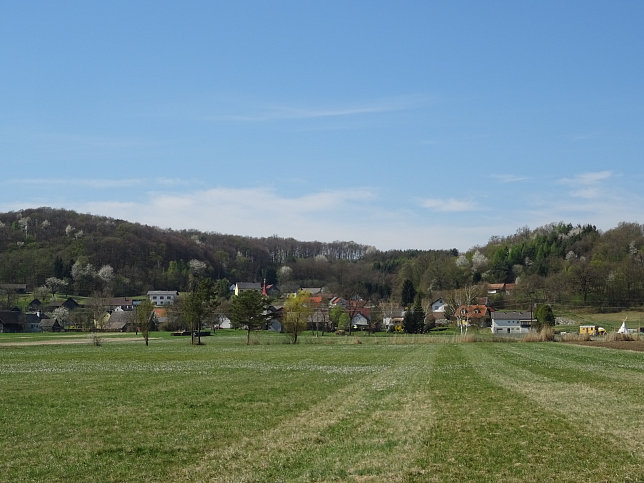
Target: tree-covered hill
{"x":558,"y":263}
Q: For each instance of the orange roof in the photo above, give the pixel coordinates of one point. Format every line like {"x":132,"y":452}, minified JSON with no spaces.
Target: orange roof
{"x":472,"y":311}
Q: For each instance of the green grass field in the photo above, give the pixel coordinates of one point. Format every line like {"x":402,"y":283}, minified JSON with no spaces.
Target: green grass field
{"x":328,"y":409}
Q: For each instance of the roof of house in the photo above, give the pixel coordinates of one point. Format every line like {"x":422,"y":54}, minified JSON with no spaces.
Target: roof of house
{"x":360,"y":319}
{"x":393,"y":312}
{"x":162,"y":292}
{"x":32,"y":318}
{"x":495,"y":286}
{"x":472,"y":311}
{"x":120,"y":319}
{"x":69,"y":303}
{"x":160,"y":311}
{"x":249,"y":286}
{"x":119,"y":301}
{"x":513,"y":316}
{"x":14,"y":286}
{"x":49,"y":323}
{"x":10,"y":317}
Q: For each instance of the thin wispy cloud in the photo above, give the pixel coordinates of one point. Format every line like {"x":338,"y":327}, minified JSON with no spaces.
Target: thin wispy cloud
{"x":587,"y":178}
{"x":288,"y":112}
{"x":587,"y":185}
{"x":358,"y":215}
{"x":101,"y":183}
{"x":509,"y":178}
{"x":447,"y":205}
{"x":85,"y":182}
{"x":246,"y":211}
{"x":364,"y":215}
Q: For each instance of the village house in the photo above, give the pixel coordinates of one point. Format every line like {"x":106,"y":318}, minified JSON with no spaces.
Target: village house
{"x":11,"y":321}
{"x":162,"y":297}
{"x":50,"y":325}
{"x":511,"y":322}
{"x":439,"y":305}
{"x":119,"y":303}
{"x":18,"y":288}
{"x":121,"y":321}
{"x":32,"y":322}
{"x":246,"y":286}
{"x":392,"y":317}
{"x":478,"y":315}
{"x":362,"y":319}
{"x":69,"y":304}
{"x":500,"y":288}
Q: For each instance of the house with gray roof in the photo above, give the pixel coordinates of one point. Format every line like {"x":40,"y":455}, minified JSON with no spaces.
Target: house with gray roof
{"x":512,"y":322}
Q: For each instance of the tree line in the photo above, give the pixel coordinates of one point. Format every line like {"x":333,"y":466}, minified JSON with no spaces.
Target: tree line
{"x":557,"y":263}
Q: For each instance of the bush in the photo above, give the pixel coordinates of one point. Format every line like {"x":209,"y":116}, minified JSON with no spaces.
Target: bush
{"x":614,"y":336}
{"x":171,"y":326}
{"x":546,"y":334}
{"x":574,"y":337}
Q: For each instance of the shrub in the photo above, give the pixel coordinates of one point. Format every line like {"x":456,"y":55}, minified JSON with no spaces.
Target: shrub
{"x":172,"y":326}
{"x":546,"y":334}
{"x":615,"y":336}
{"x":573,"y":337}
{"x":463,"y":338}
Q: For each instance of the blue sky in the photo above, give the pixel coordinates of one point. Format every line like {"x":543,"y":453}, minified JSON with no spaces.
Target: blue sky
{"x":408,"y":124}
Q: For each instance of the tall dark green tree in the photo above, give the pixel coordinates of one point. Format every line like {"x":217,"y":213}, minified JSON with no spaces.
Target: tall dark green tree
{"x":545,"y":316}
{"x":419,"y":315}
{"x":414,"y":320}
{"x":408,"y":293}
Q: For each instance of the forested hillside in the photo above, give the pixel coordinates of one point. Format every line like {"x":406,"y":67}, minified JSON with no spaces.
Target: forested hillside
{"x":558,"y":263}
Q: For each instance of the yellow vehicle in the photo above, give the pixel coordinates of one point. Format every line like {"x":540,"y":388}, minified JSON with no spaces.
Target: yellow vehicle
{"x":591,"y":330}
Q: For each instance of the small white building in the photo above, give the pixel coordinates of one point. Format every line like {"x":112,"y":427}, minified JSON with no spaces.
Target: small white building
{"x":222,"y":322}
{"x":511,"y":322}
{"x":359,"y":322}
{"x":162,"y":297}
{"x":439,"y":305}
{"x":392,"y":317}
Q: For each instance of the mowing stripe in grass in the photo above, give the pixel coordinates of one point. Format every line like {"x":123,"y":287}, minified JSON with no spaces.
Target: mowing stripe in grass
{"x":608,"y":413}
{"x":497,"y":433}
{"x":377,"y":411}
{"x":587,"y":362}
{"x":370,"y":428}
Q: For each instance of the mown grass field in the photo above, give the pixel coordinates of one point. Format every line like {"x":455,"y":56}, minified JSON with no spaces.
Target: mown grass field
{"x":328,"y":409}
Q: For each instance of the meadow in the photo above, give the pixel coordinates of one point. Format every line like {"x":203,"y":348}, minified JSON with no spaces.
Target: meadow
{"x":327,"y":409}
